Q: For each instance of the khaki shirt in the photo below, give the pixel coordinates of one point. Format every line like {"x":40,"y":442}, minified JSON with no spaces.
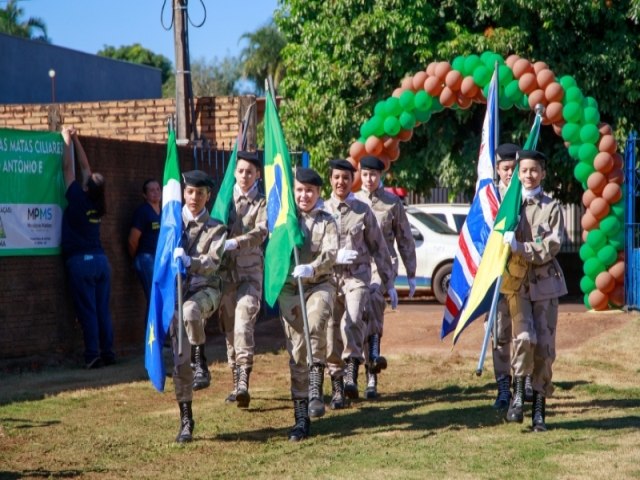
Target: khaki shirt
{"x":248,"y":226}
{"x":532,"y":269}
{"x":392,"y":218}
{"x":358,"y":230}
{"x":203,"y":240}
{"x":320,"y":245}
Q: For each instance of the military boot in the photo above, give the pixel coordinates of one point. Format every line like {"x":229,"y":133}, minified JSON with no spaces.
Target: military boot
{"x":337,"y":393}
{"x":316,"y":400}
{"x":504,"y":392}
{"x":351,"y":378}
{"x":242,"y":392}
{"x":201,"y":375}
{"x":372,"y":384}
{"x":300,"y":430}
{"x":377,"y":363}
{"x":528,"y":389}
{"x":514,"y":414}
{"x":231,"y":398}
{"x":538,"y":415}
{"x":186,"y":423}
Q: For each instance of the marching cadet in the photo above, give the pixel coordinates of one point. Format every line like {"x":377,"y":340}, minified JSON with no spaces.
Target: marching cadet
{"x":202,"y":246}
{"x":389,"y":212}
{"x":532,"y":282}
{"x":317,"y":257}
{"x":360,"y":239}
{"x":242,"y":272}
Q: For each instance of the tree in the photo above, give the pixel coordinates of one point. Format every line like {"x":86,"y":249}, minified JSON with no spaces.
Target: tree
{"x":215,"y":78}
{"x":342,"y":57}
{"x":262,"y":56}
{"x":11,"y":24}
{"x":136,"y":53}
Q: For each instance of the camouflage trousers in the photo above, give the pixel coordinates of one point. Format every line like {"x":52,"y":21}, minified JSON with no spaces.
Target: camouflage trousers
{"x":502,"y":343}
{"x":346,"y":329}
{"x":319,"y":300}
{"x":195,"y":312}
{"x":534,"y":342}
{"x":239,"y":310}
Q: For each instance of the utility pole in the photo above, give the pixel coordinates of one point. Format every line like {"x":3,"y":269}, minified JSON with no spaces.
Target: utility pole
{"x":179,"y":33}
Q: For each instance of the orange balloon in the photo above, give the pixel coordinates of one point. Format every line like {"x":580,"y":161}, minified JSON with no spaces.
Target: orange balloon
{"x":354,"y":163}
{"x":554,"y":92}
{"x":442,"y":69}
{"x":605,"y":128}
{"x":431,"y":68}
{"x":511,"y":59}
{"x":557,"y":126}
{"x":587,"y":197}
{"x":418,"y":81}
{"x":599,"y":208}
{"x":373,"y":145}
{"x":598,"y":300}
{"x":433,"y":86}
{"x":393,"y":152}
{"x":396,"y":93}
{"x":553,"y":111}
{"x":388,"y":142}
{"x":540,"y":66}
{"x":447,"y":97}
{"x":407,"y":83}
{"x":616,"y":297}
{"x":386,"y":160}
{"x":404,"y":135}
{"x":463,"y":102}
{"x":596,"y":182}
{"x":605,"y":282}
{"x":607,"y":144}
{"x":527,"y":82}
{"x":544,"y":77}
{"x":603,"y":162}
{"x":453,"y":80}
{"x":618,"y":161}
{"x":584,"y":235}
{"x":536,"y":97}
{"x":357,"y":182}
{"x":521,"y":66}
{"x":357,"y":150}
{"x":612,"y":193}
{"x":617,"y":270}
{"x":588,"y":221}
{"x":468,"y":87}
{"x":615,"y":176}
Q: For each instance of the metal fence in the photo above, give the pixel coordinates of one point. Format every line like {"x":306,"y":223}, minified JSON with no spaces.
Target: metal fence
{"x":631,"y":226}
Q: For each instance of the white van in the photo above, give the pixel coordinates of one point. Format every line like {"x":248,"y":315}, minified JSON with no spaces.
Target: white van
{"x":436,"y":246}
{"x":453,"y":214}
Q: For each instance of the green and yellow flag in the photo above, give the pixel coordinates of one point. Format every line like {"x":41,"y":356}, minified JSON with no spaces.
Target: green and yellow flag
{"x":282,"y":221}
{"x":496,"y":253}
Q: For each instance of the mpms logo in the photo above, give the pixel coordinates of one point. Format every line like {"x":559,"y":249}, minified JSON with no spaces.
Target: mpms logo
{"x":39,"y":213}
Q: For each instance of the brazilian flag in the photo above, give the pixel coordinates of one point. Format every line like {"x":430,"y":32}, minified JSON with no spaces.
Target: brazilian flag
{"x":282,"y":221}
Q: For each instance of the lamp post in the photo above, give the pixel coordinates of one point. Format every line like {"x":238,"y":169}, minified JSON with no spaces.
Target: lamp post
{"x":52,"y":76}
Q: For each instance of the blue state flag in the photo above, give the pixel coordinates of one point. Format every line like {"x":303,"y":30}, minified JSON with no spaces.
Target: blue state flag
{"x":163,"y":289}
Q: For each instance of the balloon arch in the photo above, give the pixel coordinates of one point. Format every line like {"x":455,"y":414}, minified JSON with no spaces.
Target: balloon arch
{"x":574,"y":117}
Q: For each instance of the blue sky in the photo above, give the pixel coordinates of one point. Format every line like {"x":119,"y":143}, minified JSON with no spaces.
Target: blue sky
{"x":89,"y":25}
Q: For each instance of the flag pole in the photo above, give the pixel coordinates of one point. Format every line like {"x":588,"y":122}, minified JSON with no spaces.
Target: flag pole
{"x":303,"y":307}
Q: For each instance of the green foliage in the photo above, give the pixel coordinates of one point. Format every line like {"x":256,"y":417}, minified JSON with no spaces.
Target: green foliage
{"x":136,"y":53}
{"x":262,"y":56}
{"x":344,"y":56}
{"x":12,"y":24}
{"x":216,"y":78}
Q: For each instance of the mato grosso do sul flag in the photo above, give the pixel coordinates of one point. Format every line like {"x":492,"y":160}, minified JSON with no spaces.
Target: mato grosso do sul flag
{"x":31,"y":192}
{"x":163,"y":288}
{"x":282,"y":221}
{"x":496,"y":253}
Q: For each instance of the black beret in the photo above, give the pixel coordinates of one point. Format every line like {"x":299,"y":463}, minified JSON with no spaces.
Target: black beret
{"x":339,"y":164}
{"x":309,"y":176}
{"x":251,"y":157}
{"x":197,"y":178}
{"x":372,"y":163}
{"x":506,"y":151}
{"x":539,"y":157}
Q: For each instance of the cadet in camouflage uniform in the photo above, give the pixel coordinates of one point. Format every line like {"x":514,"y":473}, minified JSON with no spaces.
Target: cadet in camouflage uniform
{"x":242,"y":272}
{"x":360,"y":239}
{"x":505,"y":164}
{"x":389,"y":212}
{"x":201,"y":250}
{"x":317,"y":257}
{"x":532,"y":282}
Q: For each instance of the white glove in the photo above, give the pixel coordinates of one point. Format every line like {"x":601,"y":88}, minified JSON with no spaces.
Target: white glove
{"x":346,"y":257}
{"x":509,"y":238}
{"x":393,"y":295}
{"x":412,"y":286}
{"x":302,"y":271}
{"x":179,"y":253}
{"x":231,"y":244}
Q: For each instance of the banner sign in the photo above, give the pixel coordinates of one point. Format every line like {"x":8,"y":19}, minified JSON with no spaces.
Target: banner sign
{"x":31,"y":192}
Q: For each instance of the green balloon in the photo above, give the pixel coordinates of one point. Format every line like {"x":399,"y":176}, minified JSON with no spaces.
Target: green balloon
{"x":617,"y":209}
{"x":391,"y":126}
{"x":567,"y":81}
{"x":590,"y":115}
{"x":366,"y":129}
{"x":392,"y":106}
{"x":573,"y":94}
{"x":377,"y":126}
{"x":587,"y":285}
{"x":422,"y":116}
{"x":574,"y":150}
{"x":379,"y":109}
{"x":482,"y":76}
{"x":585,"y":299}
{"x":470,"y":64}
{"x":610,"y":225}
{"x":589,"y":133}
{"x":588,"y":152}
{"x":586,"y":252}
{"x":596,"y":239}
{"x":591,"y":102}
{"x":437,"y":106}
{"x":608,"y":255}
{"x":422,"y":100}
{"x":458,"y":63}
{"x":582,"y":171}
{"x":617,"y":242}
{"x":504,"y":102}
{"x":523,"y":104}
{"x":490,"y":58}
{"x":406,"y":100}
{"x":592,"y":267}
{"x":572,"y":112}
{"x":512,"y":90}
{"x":407,"y":120}
{"x":505,"y":75}
{"x":571,"y":132}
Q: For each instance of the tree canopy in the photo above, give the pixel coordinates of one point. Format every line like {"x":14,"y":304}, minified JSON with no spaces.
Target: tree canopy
{"x":344,"y":56}
{"x":262,"y":56}
{"x":136,"y":53}
{"x":11,"y":23}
